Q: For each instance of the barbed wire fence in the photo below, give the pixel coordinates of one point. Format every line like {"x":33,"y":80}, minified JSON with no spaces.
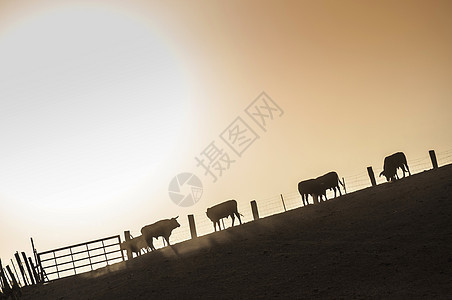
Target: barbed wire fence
{"x":269,"y":206}
{"x":291,"y":200}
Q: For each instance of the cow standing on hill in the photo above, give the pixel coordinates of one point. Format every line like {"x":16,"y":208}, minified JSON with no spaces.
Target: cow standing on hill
{"x":392,"y":163}
{"x":330,"y":181}
{"x":223,"y":210}
{"x":161,"y":228}
{"x":134,"y":245}
{"x":311,"y":187}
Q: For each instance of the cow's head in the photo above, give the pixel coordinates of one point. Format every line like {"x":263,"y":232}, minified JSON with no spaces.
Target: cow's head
{"x":209,"y":214}
{"x":389,"y":174}
{"x":174,"y":222}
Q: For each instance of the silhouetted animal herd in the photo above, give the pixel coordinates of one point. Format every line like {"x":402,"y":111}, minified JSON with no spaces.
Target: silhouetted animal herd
{"x":164,"y":228}
{"x":316,"y":187}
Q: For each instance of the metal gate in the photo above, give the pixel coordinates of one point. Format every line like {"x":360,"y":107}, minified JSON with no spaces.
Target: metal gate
{"x":80,"y":258}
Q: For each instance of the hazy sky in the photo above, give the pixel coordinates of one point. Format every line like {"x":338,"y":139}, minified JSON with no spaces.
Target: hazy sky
{"x":102,"y":103}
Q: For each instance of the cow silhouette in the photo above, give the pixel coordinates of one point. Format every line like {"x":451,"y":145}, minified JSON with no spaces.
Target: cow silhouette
{"x":392,"y":163}
{"x":330,"y":181}
{"x":161,"y":228}
{"x":311,"y":187}
{"x":223,"y":210}
{"x":134,"y":245}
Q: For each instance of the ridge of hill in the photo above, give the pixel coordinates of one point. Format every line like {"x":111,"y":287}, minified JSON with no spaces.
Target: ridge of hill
{"x":393,"y":240}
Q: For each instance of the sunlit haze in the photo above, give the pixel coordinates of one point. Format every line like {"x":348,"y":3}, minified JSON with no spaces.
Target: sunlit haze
{"x":103,"y":103}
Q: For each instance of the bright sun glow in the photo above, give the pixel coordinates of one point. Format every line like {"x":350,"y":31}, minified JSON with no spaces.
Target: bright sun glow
{"x":91,"y":103}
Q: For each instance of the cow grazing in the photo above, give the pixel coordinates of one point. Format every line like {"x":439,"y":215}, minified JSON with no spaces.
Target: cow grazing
{"x":161,"y":228}
{"x":135,"y":245}
{"x":223,"y":210}
{"x":392,"y":163}
{"x":311,"y":187}
{"x":330,"y":181}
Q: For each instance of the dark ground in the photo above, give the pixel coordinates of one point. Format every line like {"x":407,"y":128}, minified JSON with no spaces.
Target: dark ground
{"x":389,"y":241}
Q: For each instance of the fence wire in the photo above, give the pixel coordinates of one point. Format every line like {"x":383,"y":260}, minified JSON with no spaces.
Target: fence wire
{"x":291,"y":200}
{"x":283,"y":202}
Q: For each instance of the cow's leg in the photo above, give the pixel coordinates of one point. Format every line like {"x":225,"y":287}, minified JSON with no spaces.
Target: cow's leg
{"x":233,"y":218}
{"x":403,"y":170}
{"x":339,"y":188}
{"x":167,"y":240}
{"x":334,"y":189}
{"x":406,"y":169}
{"x":151,"y":244}
{"x":238,"y":217}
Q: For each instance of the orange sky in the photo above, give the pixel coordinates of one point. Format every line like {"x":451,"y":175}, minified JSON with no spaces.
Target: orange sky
{"x":357,"y":80}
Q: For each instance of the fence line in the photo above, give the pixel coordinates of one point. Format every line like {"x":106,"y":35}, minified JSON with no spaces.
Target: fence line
{"x":73,"y":261}
{"x":273,"y":205}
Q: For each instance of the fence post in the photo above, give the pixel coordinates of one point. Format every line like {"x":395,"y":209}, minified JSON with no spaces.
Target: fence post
{"x":21,"y":268}
{"x":33,"y":268}
{"x":34,"y":251}
{"x":41,"y":269}
{"x":254,"y":210}
{"x":127,"y":238}
{"x":13,"y":278}
{"x":191,"y":222}
{"x":31,"y":277}
{"x":283,"y":203}
{"x":433,"y":158}
{"x":119,"y":243}
{"x":372,"y":176}
{"x":3,"y":278}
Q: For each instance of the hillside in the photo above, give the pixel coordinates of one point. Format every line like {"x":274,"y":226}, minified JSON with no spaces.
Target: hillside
{"x":389,"y":241}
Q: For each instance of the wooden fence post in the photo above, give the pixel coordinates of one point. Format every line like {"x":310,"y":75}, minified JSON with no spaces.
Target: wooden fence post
{"x":41,"y":269}
{"x":21,"y":268}
{"x":33,"y":268}
{"x":31,"y":277}
{"x":3,"y":279}
{"x":127,"y":238}
{"x":254,"y":210}
{"x":191,"y":222}
{"x":372,"y":176}
{"x":13,"y":278}
{"x":433,"y":158}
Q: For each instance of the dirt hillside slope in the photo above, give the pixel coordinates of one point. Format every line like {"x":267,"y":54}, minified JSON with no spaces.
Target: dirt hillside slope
{"x":389,"y":241}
